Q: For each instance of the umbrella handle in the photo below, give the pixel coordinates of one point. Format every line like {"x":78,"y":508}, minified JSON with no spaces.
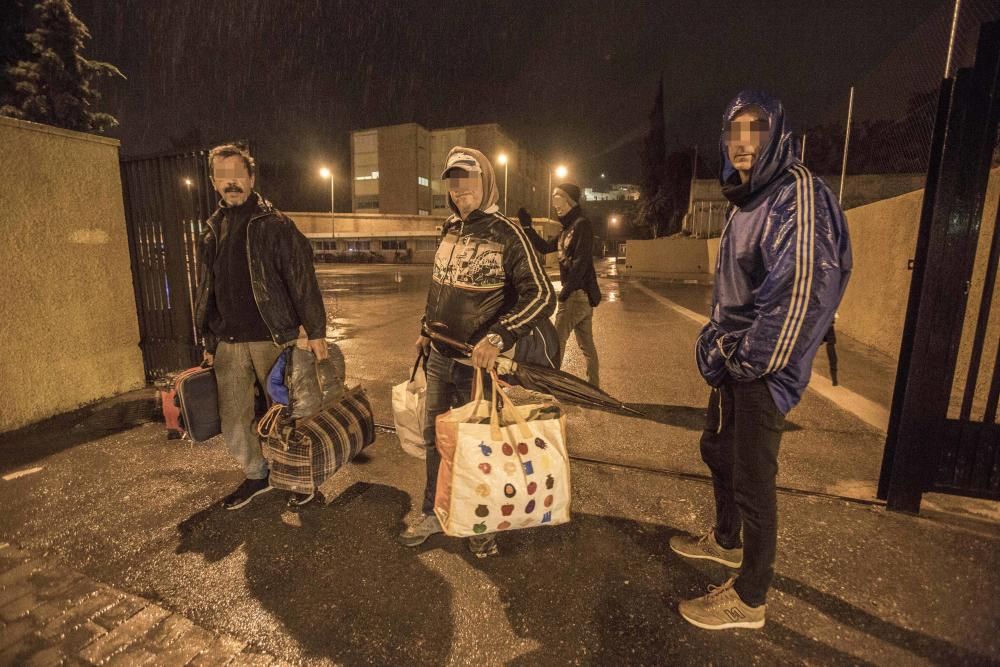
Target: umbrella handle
{"x":450,"y":342}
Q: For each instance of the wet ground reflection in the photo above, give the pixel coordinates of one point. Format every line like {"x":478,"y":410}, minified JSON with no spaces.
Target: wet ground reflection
{"x":370,"y":293}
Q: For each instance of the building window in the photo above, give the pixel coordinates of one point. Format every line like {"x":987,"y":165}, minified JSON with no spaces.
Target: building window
{"x":423,"y":181}
{"x":440,"y":201}
{"x":423,"y":211}
{"x":324,"y":245}
{"x":393,"y":244}
{"x":354,"y":246}
{"x":367,"y":202}
{"x":427,"y":244}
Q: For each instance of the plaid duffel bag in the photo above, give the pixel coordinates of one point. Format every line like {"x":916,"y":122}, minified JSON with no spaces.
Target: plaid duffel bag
{"x":303,"y":454}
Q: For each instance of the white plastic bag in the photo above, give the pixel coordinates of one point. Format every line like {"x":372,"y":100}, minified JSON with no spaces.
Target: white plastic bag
{"x":409,"y":401}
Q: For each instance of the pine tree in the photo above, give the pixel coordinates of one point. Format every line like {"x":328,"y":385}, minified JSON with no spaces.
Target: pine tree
{"x":56,"y":85}
{"x":652,"y":203}
{"x":14,"y":47}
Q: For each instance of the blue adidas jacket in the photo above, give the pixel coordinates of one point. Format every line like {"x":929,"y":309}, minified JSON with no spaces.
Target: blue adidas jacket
{"x":784,"y":261}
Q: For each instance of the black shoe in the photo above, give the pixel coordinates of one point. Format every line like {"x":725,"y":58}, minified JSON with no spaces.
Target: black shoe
{"x":300,"y":499}
{"x":245,"y":493}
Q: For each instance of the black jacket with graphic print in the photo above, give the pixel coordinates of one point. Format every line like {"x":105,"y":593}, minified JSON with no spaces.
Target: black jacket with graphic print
{"x":487,"y":279}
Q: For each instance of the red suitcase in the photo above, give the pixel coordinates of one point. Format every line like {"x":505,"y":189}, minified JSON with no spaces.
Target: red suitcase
{"x":167,"y":396}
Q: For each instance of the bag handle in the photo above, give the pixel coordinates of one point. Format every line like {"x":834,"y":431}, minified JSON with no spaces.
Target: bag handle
{"x":477,"y":386}
{"x":267,"y":423}
{"x":508,"y":409}
{"x":416,"y":364}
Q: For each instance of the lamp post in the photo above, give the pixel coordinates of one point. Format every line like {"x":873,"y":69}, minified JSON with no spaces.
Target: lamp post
{"x":561,"y":173}
{"x":612,"y":222}
{"x":502,"y":159}
{"x":327,"y":173}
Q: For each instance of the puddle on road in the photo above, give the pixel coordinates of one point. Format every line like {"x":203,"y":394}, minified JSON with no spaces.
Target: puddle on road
{"x":354,"y":296}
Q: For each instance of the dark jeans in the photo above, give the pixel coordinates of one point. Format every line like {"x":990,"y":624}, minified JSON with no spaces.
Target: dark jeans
{"x":740,"y":446}
{"x":449,"y":384}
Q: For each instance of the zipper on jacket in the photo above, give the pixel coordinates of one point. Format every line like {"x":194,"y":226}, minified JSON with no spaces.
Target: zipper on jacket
{"x":253,"y":286}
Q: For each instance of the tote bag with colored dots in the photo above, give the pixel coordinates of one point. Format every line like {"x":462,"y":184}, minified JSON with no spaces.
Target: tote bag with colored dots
{"x":502,"y":467}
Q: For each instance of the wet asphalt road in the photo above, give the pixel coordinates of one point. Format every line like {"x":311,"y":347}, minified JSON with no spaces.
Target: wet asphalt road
{"x":328,"y":584}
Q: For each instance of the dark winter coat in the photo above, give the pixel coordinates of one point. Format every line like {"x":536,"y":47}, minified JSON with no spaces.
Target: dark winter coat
{"x":783,"y":265}
{"x":575,"y":245}
{"x":282,"y":277}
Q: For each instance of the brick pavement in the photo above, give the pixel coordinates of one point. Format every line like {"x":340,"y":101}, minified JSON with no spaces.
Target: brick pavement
{"x":52,"y":615}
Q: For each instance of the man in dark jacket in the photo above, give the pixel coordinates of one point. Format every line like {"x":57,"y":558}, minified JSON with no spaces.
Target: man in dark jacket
{"x":784,"y":261}
{"x":256,"y":288}
{"x":488,"y":289}
{"x":580,"y":293}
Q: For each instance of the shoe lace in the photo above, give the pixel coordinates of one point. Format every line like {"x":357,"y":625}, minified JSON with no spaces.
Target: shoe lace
{"x":715,"y":592}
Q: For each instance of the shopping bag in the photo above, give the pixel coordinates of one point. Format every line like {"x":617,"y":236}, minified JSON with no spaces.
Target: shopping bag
{"x":503,"y":466}
{"x":409,"y":403}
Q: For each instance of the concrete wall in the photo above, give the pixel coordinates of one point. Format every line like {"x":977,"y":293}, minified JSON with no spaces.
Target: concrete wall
{"x":670,"y":259}
{"x":397,"y":167}
{"x":367,"y":225}
{"x":859,"y":189}
{"x":373,"y":226}
{"x":884,"y":238}
{"x":67,"y":314}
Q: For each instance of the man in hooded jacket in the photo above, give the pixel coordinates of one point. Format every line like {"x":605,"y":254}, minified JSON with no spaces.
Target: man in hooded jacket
{"x":488,"y":290}
{"x":783,"y":264}
{"x":580,"y":293}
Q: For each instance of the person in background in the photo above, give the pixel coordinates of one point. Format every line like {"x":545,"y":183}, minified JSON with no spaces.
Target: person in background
{"x":580,"y":293}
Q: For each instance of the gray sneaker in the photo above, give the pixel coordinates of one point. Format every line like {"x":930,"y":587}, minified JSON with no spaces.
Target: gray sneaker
{"x":707,"y":548}
{"x":722,"y":608}
{"x":418,"y":531}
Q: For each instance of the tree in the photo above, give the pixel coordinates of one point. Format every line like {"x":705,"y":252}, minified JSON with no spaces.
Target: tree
{"x":14,"y":47}
{"x":56,"y":85}
{"x":652,"y":200}
{"x":676,"y":187}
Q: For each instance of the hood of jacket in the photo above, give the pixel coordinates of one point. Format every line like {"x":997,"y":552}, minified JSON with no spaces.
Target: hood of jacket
{"x":773,"y":159}
{"x":491,"y":195}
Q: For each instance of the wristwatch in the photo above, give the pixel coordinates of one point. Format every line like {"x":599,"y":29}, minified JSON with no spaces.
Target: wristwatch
{"x":495,"y":340}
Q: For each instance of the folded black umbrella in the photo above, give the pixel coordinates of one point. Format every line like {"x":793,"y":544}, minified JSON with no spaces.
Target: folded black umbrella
{"x":562,"y":385}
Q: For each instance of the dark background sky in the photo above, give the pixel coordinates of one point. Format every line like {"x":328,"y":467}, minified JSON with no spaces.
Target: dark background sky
{"x":573,"y":81}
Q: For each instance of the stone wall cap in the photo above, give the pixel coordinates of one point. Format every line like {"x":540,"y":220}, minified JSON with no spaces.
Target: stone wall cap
{"x":50,"y":129}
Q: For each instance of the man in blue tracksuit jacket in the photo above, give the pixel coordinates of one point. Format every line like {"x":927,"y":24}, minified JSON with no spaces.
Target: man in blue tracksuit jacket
{"x":784,"y":260}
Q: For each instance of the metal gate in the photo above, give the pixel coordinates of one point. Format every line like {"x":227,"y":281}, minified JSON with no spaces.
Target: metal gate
{"x":943,"y":431}
{"x":168,"y":199}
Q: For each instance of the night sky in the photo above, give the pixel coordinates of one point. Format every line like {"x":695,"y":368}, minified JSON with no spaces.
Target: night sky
{"x":573,"y":81}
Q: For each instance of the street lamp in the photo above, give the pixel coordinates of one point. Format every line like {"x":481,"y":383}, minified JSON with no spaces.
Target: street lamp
{"x":561,"y":173}
{"x":502,"y":159}
{"x":327,"y":173}
{"x":188,"y":182}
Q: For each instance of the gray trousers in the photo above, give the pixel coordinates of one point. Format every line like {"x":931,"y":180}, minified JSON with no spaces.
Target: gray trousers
{"x":237,"y":367}
{"x":575,"y":315}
